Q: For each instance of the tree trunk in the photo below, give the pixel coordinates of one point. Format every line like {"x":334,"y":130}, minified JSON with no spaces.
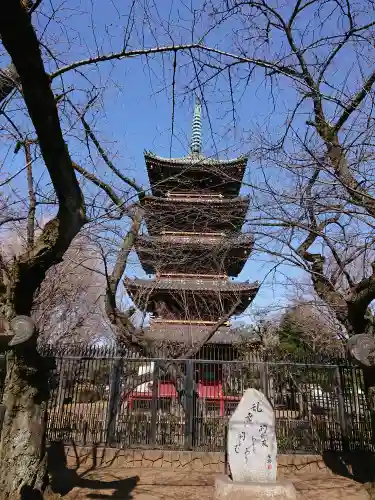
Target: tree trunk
{"x":23,"y":461}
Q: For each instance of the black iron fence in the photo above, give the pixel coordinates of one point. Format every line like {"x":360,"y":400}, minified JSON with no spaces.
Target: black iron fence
{"x":130,"y":402}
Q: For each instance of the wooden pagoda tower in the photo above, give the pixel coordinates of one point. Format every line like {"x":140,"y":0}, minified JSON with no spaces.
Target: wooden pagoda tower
{"x":193,"y":246}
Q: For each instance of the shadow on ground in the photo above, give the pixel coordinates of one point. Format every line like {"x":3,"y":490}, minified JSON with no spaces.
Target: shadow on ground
{"x":64,"y":479}
{"x":356,"y":465}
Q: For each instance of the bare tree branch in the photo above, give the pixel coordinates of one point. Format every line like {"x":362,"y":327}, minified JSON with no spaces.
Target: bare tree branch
{"x":104,"y":155}
{"x":20,"y":41}
{"x":122,"y":55}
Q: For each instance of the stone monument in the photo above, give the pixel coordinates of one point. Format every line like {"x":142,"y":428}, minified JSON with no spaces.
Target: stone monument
{"x":252,"y":454}
{"x":252,"y":447}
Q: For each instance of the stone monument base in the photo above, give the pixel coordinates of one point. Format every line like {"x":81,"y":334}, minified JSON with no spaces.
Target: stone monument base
{"x":226,"y":489}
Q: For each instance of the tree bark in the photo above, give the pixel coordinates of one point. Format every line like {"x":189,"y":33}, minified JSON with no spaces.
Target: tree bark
{"x":23,"y":464}
{"x":23,"y":461}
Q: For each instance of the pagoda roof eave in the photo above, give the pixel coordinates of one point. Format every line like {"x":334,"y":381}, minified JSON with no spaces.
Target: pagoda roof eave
{"x":194,"y":161}
{"x":186,"y":334}
{"x":145,"y":293}
{"x":227,"y":242}
{"x":239,"y":200}
{"x":193,"y":285}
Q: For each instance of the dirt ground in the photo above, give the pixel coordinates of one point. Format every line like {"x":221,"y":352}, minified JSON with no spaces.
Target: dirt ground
{"x":147,"y":484}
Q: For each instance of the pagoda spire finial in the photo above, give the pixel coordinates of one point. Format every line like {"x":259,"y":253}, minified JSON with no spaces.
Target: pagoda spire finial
{"x":196,"y":135}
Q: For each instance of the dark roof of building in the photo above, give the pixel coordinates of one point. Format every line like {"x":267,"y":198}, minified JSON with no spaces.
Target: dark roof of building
{"x":206,"y":298}
{"x":191,"y":334}
{"x":175,"y":177}
{"x":195,"y":169}
{"x":194,"y":161}
{"x":196,"y":240}
{"x":204,"y":200}
{"x":192,"y":284}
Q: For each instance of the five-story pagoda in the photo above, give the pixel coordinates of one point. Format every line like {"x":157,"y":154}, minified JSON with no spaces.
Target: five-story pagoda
{"x":194,"y":216}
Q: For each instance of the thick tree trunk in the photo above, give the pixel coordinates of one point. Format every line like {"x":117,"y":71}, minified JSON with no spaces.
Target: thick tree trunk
{"x":23,"y":461}
{"x":23,"y":467}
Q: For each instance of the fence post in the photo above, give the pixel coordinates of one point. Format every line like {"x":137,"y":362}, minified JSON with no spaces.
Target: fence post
{"x":226,"y":461}
{"x":113,"y":399}
{"x":264,"y":372}
{"x":61,"y":388}
{"x":357,"y":408}
{"x":154,"y":404}
{"x":341,"y":407}
{"x":189,"y":398}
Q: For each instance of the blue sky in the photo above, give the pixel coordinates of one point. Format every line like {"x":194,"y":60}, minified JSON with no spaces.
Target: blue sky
{"x":134,"y":112}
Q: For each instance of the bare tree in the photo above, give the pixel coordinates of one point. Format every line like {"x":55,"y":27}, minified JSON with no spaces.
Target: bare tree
{"x":24,"y":278}
{"x":69,"y":306}
{"x":310,"y":323}
{"x":313,"y":191}
{"x":24,"y":399}
{"x":334,"y":149}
